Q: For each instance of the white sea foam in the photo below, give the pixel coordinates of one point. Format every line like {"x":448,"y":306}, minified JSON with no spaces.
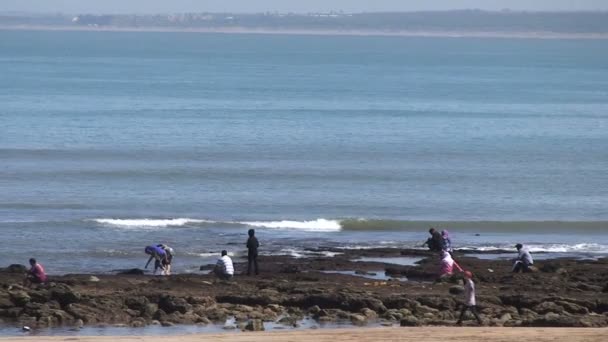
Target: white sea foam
{"x":548,"y":248}
{"x":321,"y":225}
{"x":148,"y":223}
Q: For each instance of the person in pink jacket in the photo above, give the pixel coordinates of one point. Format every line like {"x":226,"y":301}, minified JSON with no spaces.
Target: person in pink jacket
{"x":447,"y":265}
{"x":35,"y":275}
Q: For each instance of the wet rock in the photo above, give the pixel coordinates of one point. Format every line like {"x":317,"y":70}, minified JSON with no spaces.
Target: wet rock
{"x":138,"y":303}
{"x":315,"y":309}
{"x":170,"y":304}
{"x":410,"y":321}
{"x":20,"y":298}
{"x":572,"y":308}
{"x":548,"y":307}
{"x":420,"y":310}
{"x":288,"y":320}
{"x":131,"y":271}
{"x":369,"y":313}
{"x":456,"y":289}
{"x":255,"y":325}
{"x":5,"y":301}
{"x":166,"y":324}
{"x":14,"y":268}
{"x":358,"y":319}
{"x":290,"y":269}
{"x":64,"y":295}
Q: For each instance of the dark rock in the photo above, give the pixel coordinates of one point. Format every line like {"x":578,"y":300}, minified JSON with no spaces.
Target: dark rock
{"x":138,"y":303}
{"x":170,"y":304}
{"x":131,"y":271}
{"x":5,"y":301}
{"x":358,"y":319}
{"x":255,"y":325}
{"x":15,"y":268}
{"x":64,"y":295}
{"x":410,"y":321}
{"x":547,"y":307}
{"x":290,"y":269}
{"x":20,"y":298}
{"x":456,"y":289}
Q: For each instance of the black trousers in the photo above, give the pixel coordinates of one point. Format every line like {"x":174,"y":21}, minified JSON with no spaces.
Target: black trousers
{"x":252,"y":263}
{"x":473,"y":310}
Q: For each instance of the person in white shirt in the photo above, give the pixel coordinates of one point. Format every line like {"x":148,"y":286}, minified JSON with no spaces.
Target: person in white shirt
{"x":523,"y":261}
{"x":224,"y":268}
{"x":470,"y":304}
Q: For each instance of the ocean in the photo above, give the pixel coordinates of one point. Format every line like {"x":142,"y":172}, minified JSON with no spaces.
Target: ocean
{"x":111,"y":141}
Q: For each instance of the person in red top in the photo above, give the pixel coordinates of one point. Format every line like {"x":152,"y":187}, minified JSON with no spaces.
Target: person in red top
{"x":36,"y":274}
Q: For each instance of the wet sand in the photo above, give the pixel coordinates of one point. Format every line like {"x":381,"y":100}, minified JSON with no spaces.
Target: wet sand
{"x":367,"y":334}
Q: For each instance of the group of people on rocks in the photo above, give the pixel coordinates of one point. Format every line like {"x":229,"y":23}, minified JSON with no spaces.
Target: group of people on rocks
{"x":224,"y":268}
{"x":441,"y":243}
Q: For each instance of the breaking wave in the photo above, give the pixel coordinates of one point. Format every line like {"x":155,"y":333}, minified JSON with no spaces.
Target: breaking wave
{"x":148,"y":223}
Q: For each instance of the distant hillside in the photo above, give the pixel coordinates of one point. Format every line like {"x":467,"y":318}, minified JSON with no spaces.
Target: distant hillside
{"x":460,"y":21}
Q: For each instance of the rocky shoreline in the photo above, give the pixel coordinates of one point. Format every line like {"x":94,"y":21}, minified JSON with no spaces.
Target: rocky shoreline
{"x":563,"y":293}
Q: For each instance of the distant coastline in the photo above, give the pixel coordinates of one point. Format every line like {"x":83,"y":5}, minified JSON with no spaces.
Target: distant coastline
{"x":320,"y":32}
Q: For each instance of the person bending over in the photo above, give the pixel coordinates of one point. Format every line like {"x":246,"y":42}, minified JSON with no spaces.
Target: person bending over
{"x":160,"y":258}
{"x":523,"y":261}
{"x":169,"y":257}
{"x":35,"y":275}
{"x":435,"y":242}
{"x":224,"y":268}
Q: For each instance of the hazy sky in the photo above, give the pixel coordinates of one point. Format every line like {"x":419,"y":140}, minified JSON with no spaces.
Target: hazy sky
{"x":164,"y":6}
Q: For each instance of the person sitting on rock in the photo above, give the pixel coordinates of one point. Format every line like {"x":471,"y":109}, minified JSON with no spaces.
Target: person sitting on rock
{"x":168,"y":259}
{"x":447,"y":265}
{"x":224,"y":268}
{"x":160,"y":258}
{"x":435,"y":242}
{"x":35,"y":275}
{"x":470,"y":303}
{"x":523,"y":261}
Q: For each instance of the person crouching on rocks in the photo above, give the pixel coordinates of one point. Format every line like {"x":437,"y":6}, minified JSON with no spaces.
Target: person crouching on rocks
{"x":35,"y":275}
{"x":447,"y":265}
{"x":435,"y":242}
{"x":160,"y":258}
{"x":523,"y":261}
{"x":224,"y":268}
{"x":470,"y":303}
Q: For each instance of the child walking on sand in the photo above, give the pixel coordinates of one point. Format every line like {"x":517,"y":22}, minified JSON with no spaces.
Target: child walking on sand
{"x":470,"y":304}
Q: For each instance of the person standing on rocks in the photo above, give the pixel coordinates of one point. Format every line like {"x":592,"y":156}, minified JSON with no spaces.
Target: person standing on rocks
{"x":160,"y":258}
{"x":470,"y":303}
{"x":523,"y":261}
{"x":252,"y":253}
{"x":224,"y":268}
{"x":35,"y":275}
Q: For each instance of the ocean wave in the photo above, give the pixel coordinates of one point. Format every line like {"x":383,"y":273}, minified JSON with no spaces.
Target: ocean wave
{"x":593,"y":248}
{"x":321,"y":225}
{"x":149,"y":223}
{"x":337,"y":225}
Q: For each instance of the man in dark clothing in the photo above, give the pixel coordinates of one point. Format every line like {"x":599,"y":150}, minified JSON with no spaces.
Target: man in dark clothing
{"x":252,"y":252}
{"x":435,"y":242}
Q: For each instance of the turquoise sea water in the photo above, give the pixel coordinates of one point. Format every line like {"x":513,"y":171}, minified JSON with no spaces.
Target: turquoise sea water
{"x":110,"y":141}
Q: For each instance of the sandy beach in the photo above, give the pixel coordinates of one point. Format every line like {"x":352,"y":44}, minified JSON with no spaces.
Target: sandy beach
{"x":370,"y":334}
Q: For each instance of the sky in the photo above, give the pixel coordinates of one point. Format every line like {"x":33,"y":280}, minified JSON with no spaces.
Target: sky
{"x":180,"y":6}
